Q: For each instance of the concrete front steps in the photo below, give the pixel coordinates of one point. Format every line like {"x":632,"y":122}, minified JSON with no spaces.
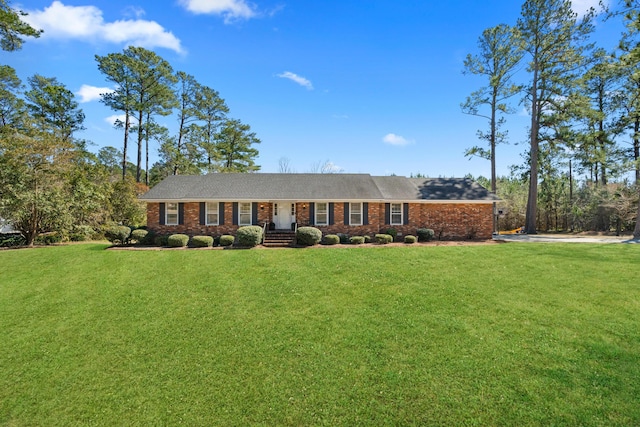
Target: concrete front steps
{"x":279,"y":238}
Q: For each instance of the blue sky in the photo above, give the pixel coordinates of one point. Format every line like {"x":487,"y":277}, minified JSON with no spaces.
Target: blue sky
{"x":372,"y":87}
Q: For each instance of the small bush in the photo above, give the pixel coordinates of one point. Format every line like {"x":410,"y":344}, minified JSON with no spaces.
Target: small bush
{"x":118,"y":234}
{"x":383,"y":239}
{"x":357,"y":240}
{"x":226,"y":240}
{"x":425,"y":234}
{"x":81,"y":233}
{"x":344,"y":238}
{"x":367,"y":239}
{"x":308,"y":236}
{"x":392,"y":232}
{"x":177,"y":240}
{"x":249,"y":236}
{"x":139,"y":236}
{"x":410,"y":239}
{"x":161,"y":240}
{"x":216,"y":241}
{"x":48,"y":239}
{"x":331,"y":239}
{"x":202,"y":241}
{"x":9,"y":240}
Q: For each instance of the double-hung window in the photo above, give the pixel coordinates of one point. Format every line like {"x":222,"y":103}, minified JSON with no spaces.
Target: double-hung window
{"x":172,"y":214}
{"x":322,"y":213}
{"x":396,"y":213}
{"x":355,"y":214}
{"x":244,"y":213}
{"x":212,"y":213}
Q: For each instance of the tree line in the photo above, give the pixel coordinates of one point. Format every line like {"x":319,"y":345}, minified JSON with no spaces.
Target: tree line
{"x":584,"y":107}
{"x":50,"y":181}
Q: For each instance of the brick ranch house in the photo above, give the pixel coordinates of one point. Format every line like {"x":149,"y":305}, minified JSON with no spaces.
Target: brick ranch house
{"x":353,"y":204}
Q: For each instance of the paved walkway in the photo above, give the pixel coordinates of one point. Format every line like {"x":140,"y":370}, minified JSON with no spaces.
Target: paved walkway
{"x":556,"y":238}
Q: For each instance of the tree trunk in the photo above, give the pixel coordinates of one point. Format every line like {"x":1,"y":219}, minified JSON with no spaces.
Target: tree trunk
{"x":636,"y":231}
{"x":139,"y":162}
{"x":126,"y":142}
{"x":532,"y":200}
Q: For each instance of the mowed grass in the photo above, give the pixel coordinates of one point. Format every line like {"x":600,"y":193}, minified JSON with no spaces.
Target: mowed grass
{"x":511,"y":334}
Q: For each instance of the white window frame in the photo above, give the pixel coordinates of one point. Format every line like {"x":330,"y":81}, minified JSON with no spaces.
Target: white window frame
{"x":171,"y":211}
{"x":324,"y":212}
{"x":242,"y":213}
{"x":212,"y":208}
{"x":351,"y":213}
{"x":398,"y":213}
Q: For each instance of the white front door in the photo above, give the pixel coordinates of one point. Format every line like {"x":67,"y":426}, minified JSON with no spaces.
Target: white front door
{"x":284,"y":213}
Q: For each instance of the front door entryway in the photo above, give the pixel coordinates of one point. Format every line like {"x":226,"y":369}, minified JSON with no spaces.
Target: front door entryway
{"x":284,"y":214}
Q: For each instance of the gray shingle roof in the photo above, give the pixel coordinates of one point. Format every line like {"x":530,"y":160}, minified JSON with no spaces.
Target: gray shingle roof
{"x":310,"y":187}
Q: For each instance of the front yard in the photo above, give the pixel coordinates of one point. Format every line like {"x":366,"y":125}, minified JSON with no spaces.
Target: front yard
{"x":501,"y":334}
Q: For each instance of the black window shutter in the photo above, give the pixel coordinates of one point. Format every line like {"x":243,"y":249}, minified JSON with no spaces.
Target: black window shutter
{"x":346,"y":213}
{"x":221,"y":213}
{"x":235,"y":213}
{"x":254,"y":213}
{"x":331,"y":218}
{"x":365,"y":213}
{"x":406,"y":214}
{"x":181,"y":213}
{"x":203,"y":213}
{"x":162,"y":218}
{"x":387,"y":213}
{"x":312,"y":213}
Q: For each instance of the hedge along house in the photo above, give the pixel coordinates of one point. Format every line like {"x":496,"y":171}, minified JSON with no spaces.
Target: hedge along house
{"x":353,"y":204}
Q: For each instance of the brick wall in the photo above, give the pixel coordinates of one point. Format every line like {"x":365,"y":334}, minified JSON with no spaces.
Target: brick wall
{"x":450,"y":221}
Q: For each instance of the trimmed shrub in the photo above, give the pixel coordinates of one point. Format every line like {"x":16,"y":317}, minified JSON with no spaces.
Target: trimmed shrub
{"x":177,"y":240}
{"x":118,"y":234}
{"x":410,"y":239}
{"x":383,"y":239}
{"x":331,"y":239}
{"x":139,"y":236}
{"x":308,"y":236}
{"x":226,"y":240}
{"x":392,"y":232}
{"x":425,"y":234}
{"x":161,"y":240}
{"x":249,"y":236}
{"x":367,"y":239}
{"x":344,"y":238}
{"x":202,"y":241}
{"x":8,"y":240}
{"x":357,"y":240}
{"x":48,"y":238}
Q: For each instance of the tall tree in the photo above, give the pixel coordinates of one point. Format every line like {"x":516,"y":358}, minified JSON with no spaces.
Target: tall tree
{"x":554,"y":40}
{"x":211,"y":111}
{"x":54,"y":104}
{"x":117,"y":69}
{"x":601,"y":92}
{"x":144,"y":88}
{"x":13,"y":28}
{"x":34,"y":166}
{"x":630,"y":61}
{"x":498,"y":59}
{"x":11,"y":106}
{"x":235,"y":147}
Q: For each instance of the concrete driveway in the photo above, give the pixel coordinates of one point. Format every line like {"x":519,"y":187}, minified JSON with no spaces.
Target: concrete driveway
{"x":556,"y":238}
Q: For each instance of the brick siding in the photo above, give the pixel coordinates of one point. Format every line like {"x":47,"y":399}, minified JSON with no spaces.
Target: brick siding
{"x":449,"y":221}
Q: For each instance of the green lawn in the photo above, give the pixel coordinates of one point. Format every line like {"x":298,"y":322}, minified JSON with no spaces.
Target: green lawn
{"x":511,"y":334}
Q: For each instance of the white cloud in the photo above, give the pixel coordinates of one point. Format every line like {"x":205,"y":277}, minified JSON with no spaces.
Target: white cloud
{"x":86,"y":23}
{"x":119,"y":117}
{"x":231,"y":10}
{"x":397,"y":140}
{"x":91,"y":93}
{"x":296,"y":78}
{"x":581,"y":7}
